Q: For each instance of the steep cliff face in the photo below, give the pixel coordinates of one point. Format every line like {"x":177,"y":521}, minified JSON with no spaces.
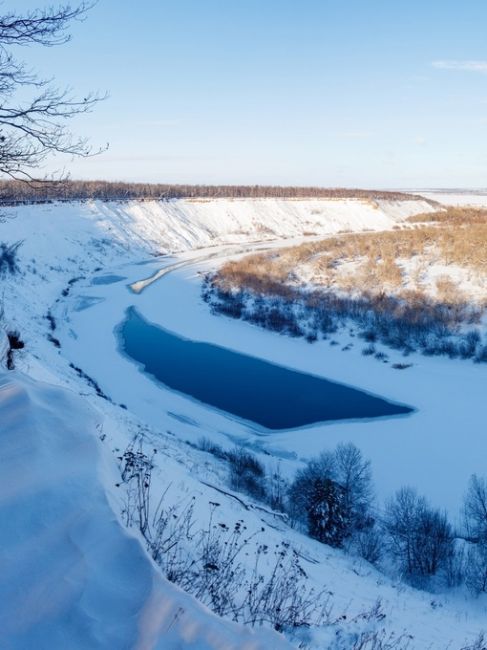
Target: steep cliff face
{"x":184,"y":224}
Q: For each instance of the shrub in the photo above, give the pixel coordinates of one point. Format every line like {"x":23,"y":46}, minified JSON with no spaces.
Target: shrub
{"x":373,"y":640}
{"x":247,"y":474}
{"x":476,"y":568}
{"x":51,"y":320}
{"x":368,"y":543}
{"x":420,"y":538}
{"x":475,"y":516}
{"x":8,"y":258}
{"x":355,"y":476}
{"x":481,"y":354}
{"x":15,"y":343}
{"x":55,"y":341}
{"x":206,"y":562}
{"x":277,"y":488}
{"x":369,"y":336}
{"x":480,"y":643}
{"x":210,"y":447}
{"x":475,"y":509}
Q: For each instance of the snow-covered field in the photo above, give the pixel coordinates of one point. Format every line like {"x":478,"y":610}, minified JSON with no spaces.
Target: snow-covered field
{"x":473,"y":199}
{"x":59,"y":455}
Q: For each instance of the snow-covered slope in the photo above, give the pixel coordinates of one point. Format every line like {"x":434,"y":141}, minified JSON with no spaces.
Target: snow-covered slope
{"x":72,"y":578}
{"x":178,"y":225}
{"x":198,"y":223}
{"x":65,"y":241}
{"x":4,"y":346}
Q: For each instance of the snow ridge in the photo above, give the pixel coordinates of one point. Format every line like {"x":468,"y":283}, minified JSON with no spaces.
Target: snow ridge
{"x":71,"y":575}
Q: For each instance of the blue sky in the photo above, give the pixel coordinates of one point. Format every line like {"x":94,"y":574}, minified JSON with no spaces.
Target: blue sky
{"x":376,"y":93}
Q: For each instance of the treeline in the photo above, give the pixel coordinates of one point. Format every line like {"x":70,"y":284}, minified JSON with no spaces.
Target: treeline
{"x":12,"y":192}
{"x":426,"y":326}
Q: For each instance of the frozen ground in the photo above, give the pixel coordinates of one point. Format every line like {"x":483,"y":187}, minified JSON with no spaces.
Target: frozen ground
{"x":436,"y":448}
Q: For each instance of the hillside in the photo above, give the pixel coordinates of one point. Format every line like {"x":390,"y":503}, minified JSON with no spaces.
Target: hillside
{"x":69,"y":442}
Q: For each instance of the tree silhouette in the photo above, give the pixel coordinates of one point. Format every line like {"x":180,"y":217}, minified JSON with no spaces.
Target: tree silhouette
{"x":34,"y":112}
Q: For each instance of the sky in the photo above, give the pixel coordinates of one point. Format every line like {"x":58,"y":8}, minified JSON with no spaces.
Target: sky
{"x":353,"y":93}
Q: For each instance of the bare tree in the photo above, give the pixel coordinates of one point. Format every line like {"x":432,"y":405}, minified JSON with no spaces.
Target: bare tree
{"x":34,"y":112}
{"x":277,"y":488}
{"x":476,"y":509}
{"x":119,"y":191}
{"x":419,"y":537}
{"x":476,"y":568}
{"x":355,"y":476}
{"x":475,"y":513}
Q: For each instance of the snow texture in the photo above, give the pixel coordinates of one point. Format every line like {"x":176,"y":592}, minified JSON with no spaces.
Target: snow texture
{"x":72,"y":577}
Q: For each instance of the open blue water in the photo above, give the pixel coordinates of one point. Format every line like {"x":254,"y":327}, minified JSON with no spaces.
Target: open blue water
{"x":273,"y":396}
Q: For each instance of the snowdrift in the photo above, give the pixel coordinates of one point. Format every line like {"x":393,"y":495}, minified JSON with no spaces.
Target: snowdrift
{"x":72,"y":578}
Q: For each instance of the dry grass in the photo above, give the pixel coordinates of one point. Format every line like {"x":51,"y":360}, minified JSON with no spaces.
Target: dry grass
{"x":392,"y":262}
{"x":452,"y":215}
{"x":422,"y":287}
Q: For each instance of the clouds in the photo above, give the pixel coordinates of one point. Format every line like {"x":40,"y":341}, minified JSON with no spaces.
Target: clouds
{"x":463,"y":66}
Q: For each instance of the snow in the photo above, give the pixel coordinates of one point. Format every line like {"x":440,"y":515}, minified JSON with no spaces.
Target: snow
{"x":470,"y":284}
{"x":419,"y":273}
{"x":72,"y":577}
{"x":185,"y":224}
{"x":62,"y":506}
{"x":4,"y":346}
{"x":421,"y":448}
{"x":457,"y":198}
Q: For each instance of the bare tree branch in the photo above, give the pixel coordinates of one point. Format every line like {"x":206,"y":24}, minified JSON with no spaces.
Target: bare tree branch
{"x":42,"y":26}
{"x":34,"y":124}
